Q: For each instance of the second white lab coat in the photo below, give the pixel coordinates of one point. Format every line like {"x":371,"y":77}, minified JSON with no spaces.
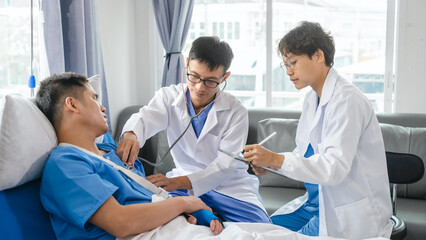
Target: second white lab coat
{"x":349,"y":164}
{"x":226,"y":128}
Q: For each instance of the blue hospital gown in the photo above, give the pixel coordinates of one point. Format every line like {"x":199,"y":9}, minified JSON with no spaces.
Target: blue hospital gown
{"x":75,"y":184}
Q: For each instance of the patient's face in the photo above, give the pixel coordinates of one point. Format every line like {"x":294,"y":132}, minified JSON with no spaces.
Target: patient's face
{"x":93,"y":113}
{"x":200,"y":94}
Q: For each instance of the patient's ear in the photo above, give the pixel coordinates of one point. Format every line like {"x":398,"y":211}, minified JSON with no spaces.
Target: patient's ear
{"x":71,"y":104}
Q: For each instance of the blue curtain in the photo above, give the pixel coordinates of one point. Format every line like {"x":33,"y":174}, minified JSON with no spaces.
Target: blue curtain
{"x":72,"y":41}
{"x":173,"y":19}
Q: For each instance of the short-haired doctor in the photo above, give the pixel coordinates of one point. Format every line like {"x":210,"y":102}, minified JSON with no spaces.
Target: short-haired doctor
{"x":201,"y":170}
{"x":339,"y":153}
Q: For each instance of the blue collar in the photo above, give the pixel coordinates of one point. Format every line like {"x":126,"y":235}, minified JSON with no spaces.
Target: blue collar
{"x":198,"y":122}
{"x":191,"y":109}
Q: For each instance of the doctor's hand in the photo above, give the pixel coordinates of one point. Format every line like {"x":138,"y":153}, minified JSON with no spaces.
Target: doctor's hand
{"x":128,"y":148}
{"x":170,"y":184}
{"x":262,"y":157}
{"x":259,"y":171}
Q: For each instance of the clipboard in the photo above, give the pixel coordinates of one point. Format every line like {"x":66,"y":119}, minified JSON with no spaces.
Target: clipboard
{"x":241,"y":159}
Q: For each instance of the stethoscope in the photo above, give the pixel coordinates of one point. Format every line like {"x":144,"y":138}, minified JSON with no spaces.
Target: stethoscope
{"x":189,"y":123}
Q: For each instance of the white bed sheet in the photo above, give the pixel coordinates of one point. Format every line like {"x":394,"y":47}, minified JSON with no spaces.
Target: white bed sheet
{"x":179,"y":228}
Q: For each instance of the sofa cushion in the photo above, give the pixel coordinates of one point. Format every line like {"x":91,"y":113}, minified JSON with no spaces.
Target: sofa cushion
{"x":160,"y":145}
{"x":284,"y":141}
{"x":413,"y":212}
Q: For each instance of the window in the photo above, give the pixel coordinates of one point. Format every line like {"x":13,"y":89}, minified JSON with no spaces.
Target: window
{"x":192,"y":31}
{"x":222,"y":30}
{"x":230,"y":30}
{"x":237,"y":30}
{"x":15,"y":46}
{"x":202,"y":30}
{"x":358,"y":28}
{"x":214,"y":29}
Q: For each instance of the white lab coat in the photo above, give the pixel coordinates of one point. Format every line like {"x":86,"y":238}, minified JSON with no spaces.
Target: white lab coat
{"x":226,"y":128}
{"x":349,"y":164}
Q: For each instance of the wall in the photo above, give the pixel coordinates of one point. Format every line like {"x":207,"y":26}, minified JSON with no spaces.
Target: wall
{"x":410,"y":96}
{"x":128,"y":36}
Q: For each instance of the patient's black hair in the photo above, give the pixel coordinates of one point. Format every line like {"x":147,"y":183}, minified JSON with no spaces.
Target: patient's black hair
{"x":307,"y":38}
{"x":212,"y":51}
{"x":53,"y":91}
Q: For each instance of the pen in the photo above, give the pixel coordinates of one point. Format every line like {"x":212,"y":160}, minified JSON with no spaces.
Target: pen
{"x":264,"y":140}
{"x":267,"y":138}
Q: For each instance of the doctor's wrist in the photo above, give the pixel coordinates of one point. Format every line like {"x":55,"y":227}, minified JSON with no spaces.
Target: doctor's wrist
{"x":183,"y":182}
{"x":277,"y":161}
{"x":130,"y":134}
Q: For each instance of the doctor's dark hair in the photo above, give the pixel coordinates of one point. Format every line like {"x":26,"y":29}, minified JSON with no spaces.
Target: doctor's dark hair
{"x":307,"y":38}
{"x":212,"y":51}
{"x":53,"y":91}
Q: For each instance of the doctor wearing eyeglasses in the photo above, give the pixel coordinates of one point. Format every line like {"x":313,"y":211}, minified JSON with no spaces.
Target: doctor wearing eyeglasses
{"x":339,"y":153}
{"x":221,"y":182}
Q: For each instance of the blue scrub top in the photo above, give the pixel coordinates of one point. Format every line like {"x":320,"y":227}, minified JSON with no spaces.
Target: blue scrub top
{"x":198,"y":122}
{"x":312,"y":204}
{"x":75,"y":184}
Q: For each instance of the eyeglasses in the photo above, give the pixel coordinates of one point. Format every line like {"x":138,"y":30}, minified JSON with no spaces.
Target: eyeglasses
{"x":196,"y":79}
{"x":290,"y":64}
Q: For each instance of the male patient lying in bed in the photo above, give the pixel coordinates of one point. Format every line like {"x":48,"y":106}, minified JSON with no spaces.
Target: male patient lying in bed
{"x":86,"y":197}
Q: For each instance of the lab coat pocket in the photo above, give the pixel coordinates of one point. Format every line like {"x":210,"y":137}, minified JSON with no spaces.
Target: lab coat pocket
{"x":356,"y":220}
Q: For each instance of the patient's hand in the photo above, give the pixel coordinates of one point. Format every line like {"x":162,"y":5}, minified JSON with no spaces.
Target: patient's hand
{"x":208,"y":219}
{"x":170,"y":184}
{"x":128,"y":148}
{"x":192,"y":204}
{"x":191,"y":219}
{"x":216,"y":226}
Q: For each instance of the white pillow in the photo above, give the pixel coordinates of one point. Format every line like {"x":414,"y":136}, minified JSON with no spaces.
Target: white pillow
{"x":26,"y":140}
{"x":95,"y":82}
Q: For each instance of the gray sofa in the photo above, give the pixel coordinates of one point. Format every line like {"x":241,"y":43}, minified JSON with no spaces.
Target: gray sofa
{"x":404,"y":133}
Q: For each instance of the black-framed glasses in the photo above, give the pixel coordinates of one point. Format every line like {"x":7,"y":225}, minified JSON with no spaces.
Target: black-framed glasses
{"x":195,"y":79}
